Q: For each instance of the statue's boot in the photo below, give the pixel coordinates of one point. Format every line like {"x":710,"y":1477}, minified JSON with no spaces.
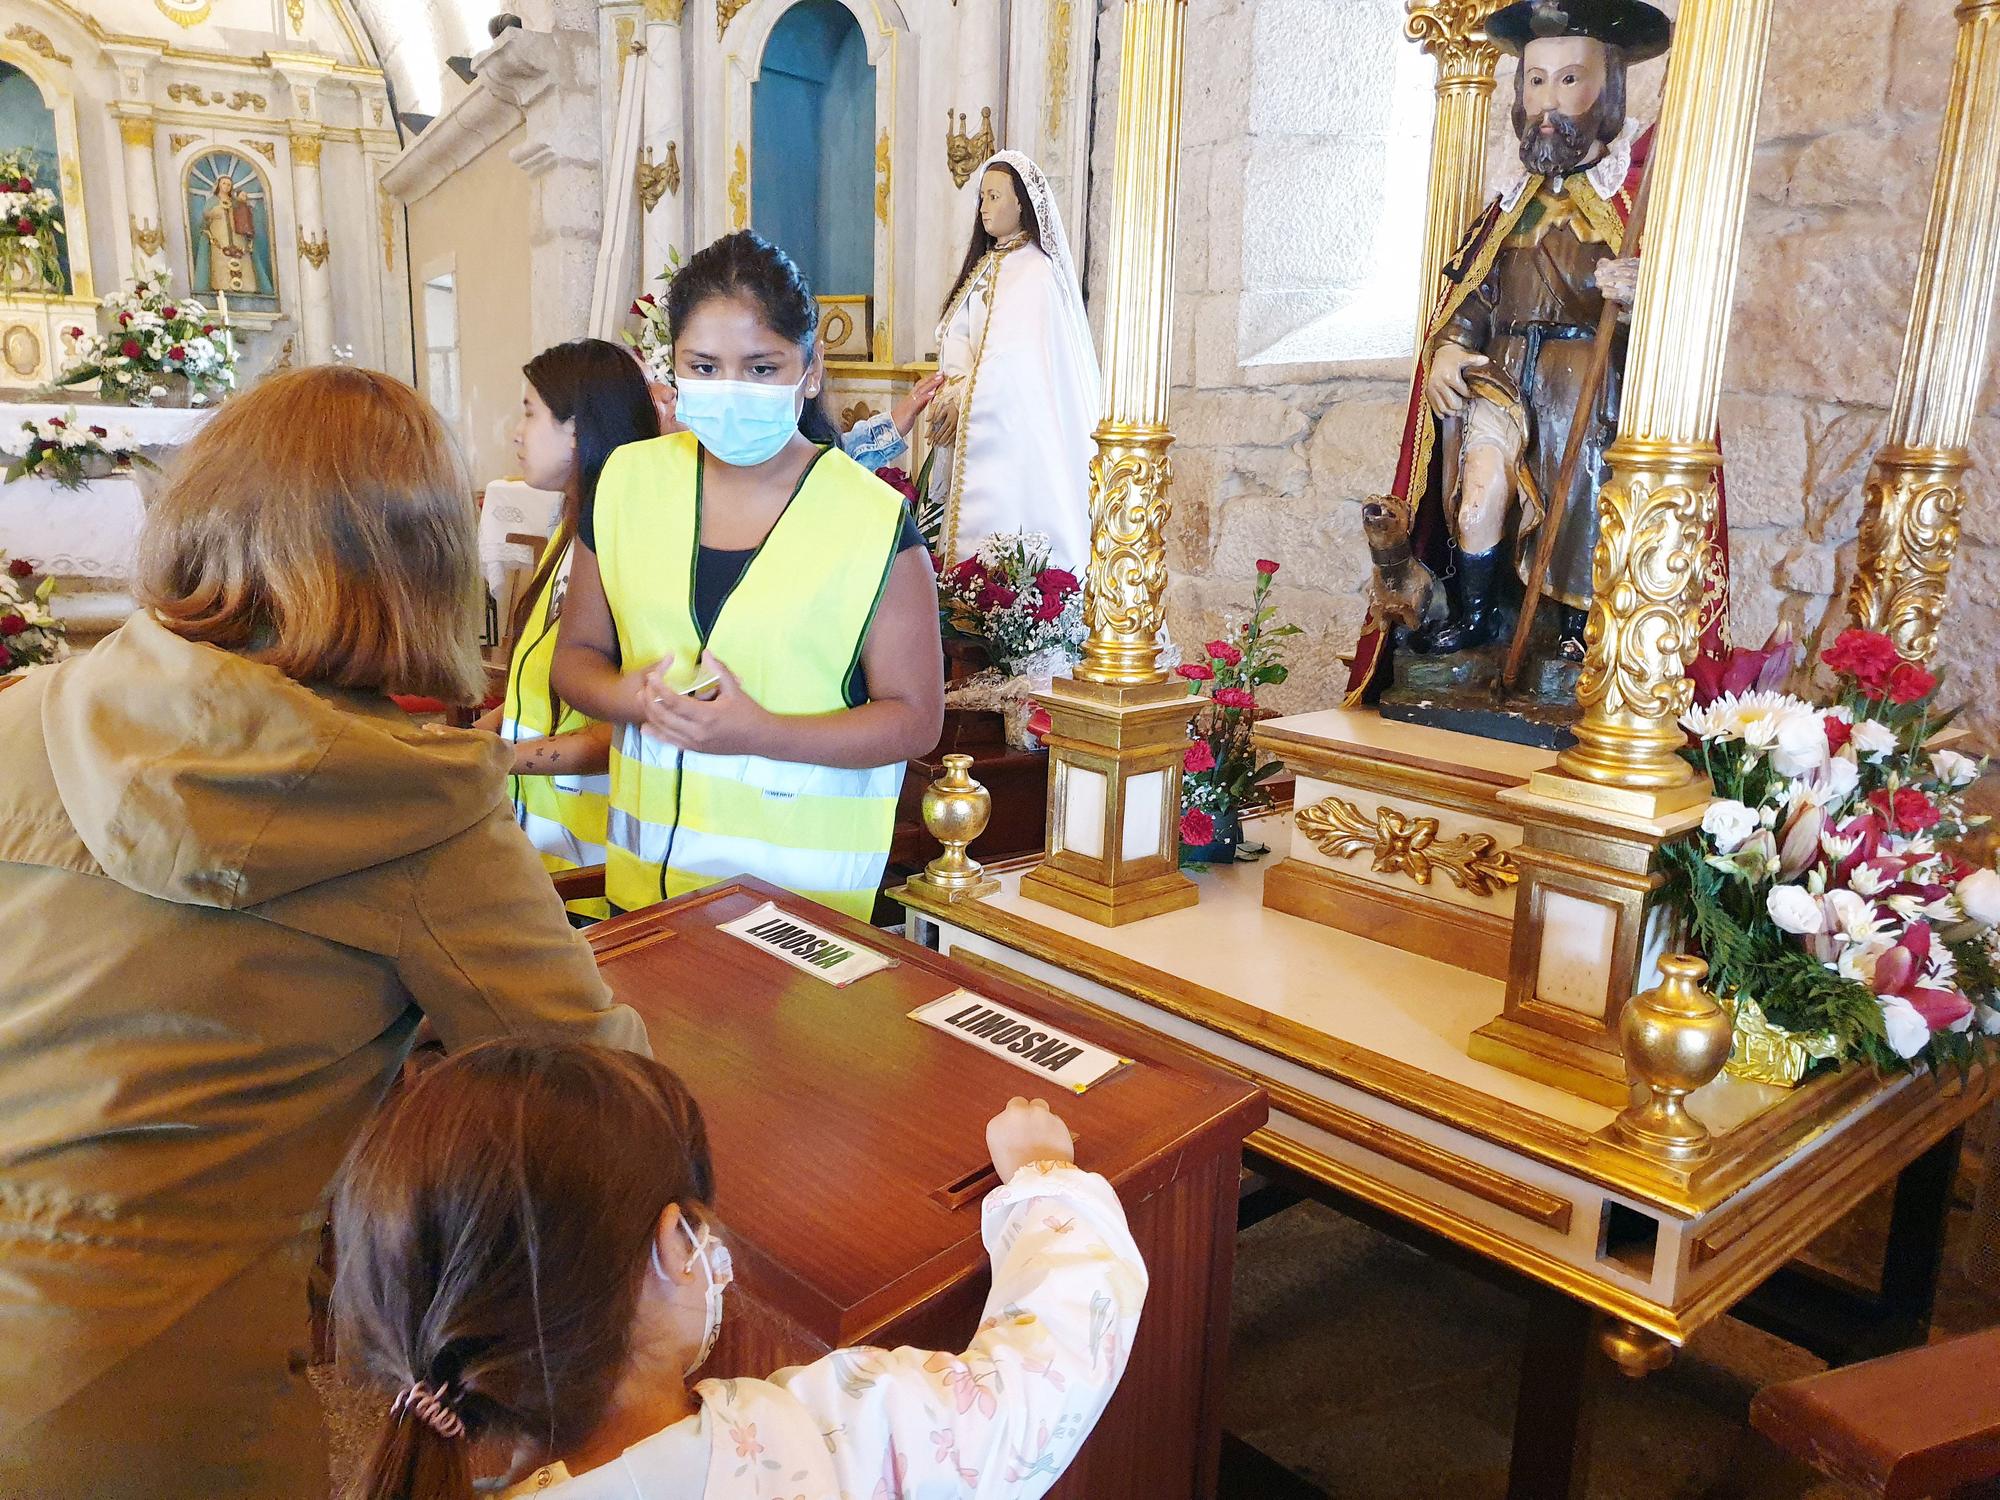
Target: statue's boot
{"x":1474,"y":621}
{"x":1570,"y":641}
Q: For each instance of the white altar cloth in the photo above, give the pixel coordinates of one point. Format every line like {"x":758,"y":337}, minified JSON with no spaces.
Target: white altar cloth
{"x":512,"y":506}
{"x":154,"y":426}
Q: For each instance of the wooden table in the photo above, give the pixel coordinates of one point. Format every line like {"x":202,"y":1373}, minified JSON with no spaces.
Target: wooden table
{"x":1377,"y":1108}
{"x":850,"y":1161}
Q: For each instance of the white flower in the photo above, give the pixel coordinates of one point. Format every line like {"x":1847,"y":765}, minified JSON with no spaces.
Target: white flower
{"x":1801,"y":747}
{"x":1729,"y":824}
{"x":1867,"y":881}
{"x":1979,"y":895}
{"x":1953,"y":769}
{"x":1843,"y":779}
{"x":1794,"y":911}
{"x":1874,"y":739}
{"x":1853,"y":918}
{"x":1908,"y":1032}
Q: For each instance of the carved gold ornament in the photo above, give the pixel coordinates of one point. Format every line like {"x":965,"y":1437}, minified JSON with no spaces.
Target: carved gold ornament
{"x":36,"y":42}
{"x":725,"y":12}
{"x":1909,"y":535}
{"x":184,"y":13}
{"x":296,"y":9}
{"x":136,"y":131}
{"x":1060,"y":17}
{"x":189,"y":93}
{"x":882,"y":177}
{"x":243,"y":99}
{"x":178,"y":143}
{"x":739,"y":192}
{"x":148,"y":239}
{"x":1130,"y":499}
{"x":306,"y":149}
{"x":314,"y":251}
{"x":963,"y":153}
{"x":1402,"y":845}
{"x":266,"y":149}
{"x":665,"y":10}
{"x":655,"y":181}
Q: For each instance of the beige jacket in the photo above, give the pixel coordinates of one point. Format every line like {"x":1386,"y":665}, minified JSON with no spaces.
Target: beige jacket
{"x":226,"y":901}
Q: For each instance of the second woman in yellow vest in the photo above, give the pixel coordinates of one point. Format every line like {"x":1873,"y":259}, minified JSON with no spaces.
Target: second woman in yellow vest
{"x":753,"y":612}
{"x":582,"y":401}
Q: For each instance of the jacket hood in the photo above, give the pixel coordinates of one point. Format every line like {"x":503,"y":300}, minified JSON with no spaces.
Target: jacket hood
{"x":197,"y":776}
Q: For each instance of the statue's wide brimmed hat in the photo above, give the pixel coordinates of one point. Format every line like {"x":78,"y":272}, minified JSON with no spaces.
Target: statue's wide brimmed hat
{"x":1637,"y":29}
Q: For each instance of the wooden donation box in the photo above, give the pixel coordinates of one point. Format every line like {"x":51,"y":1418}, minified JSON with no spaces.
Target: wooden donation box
{"x":850,"y":1159}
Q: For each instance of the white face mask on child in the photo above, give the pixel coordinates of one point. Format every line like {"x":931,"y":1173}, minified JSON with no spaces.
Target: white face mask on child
{"x":719,"y":1271}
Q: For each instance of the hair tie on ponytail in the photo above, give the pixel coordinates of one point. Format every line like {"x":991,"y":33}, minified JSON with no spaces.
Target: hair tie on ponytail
{"x":431,"y":1409}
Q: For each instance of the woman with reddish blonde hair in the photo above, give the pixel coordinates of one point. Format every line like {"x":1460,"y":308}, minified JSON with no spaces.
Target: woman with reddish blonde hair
{"x":234,"y":878}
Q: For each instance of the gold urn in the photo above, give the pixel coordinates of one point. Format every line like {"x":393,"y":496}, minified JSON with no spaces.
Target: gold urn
{"x":955,"y":812}
{"x":1677,"y":1036}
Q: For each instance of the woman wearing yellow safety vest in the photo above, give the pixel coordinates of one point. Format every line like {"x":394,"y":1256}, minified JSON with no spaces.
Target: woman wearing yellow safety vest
{"x":582,"y":400}
{"x":753,"y":611}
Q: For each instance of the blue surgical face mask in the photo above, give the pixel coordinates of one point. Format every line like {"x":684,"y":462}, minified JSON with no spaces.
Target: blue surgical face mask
{"x":742,"y":422}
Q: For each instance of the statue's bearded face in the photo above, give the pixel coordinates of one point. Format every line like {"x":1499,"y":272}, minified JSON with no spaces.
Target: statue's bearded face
{"x":1566,"y":102}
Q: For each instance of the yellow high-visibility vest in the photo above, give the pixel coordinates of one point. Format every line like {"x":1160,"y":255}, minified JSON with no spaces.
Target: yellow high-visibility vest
{"x":563,"y":815}
{"x":792,"y":631}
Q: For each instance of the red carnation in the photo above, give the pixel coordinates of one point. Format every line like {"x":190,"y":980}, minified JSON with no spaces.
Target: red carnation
{"x":130,"y":348}
{"x":24,"y":185}
{"x":99,"y":432}
{"x":57,"y":422}
{"x":1197,"y":828}
{"x":1266,"y":566}
{"x":1196,"y":671}
{"x":124,"y":319}
{"x":1199,"y":758}
{"x":1235,"y":698}
{"x":12,"y":624}
{"x":1838,"y":733}
{"x":1909,"y":682}
{"x":20,"y":567}
{"x":208,"y":328}
{"x":76,"y":333}
{"x":1225,"y":653}
{"x":1868,"y":656}
{"x":169,"y":312}
{"x":177,"y":352}
{"x":1906,"y":810}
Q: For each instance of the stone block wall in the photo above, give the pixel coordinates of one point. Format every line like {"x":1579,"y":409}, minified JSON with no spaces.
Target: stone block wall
{"x":1273,"y":461}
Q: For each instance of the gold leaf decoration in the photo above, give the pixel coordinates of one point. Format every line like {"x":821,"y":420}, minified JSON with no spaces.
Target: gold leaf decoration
{"x":725,"y":12}
{"x":882,"y":177}
{"x":36,"y":42}
{"x":315,"y":251}
{"x":1402,"y":845}
{"x":962,"y":152}
{"x":739,"y":192}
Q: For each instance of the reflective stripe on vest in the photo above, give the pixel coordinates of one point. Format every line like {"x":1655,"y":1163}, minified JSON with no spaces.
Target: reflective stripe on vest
{"x":791,"y":631}
{"x":563,"y":815}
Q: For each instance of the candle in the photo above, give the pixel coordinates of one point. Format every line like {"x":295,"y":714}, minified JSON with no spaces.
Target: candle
{"x":228,"y":340}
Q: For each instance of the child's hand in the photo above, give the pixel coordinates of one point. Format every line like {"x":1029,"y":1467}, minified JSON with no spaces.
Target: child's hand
{"x":1025,"y":1132}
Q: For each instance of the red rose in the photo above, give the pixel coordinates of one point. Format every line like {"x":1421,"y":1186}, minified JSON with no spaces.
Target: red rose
{"x":130,"y":348}
{"x":1049,"y":610}
{"x":1266,"y":566}
{"x":124,"y":319}
{"x":1225,"y":653}
{"x":1196,"y":671}
{"x":1235,"y":698}
{"x":636,"y":310}
{"x":967,"y":573}
{"x":996,"y":595}
{"x":20,"y":567}
{"x":1909,"y":682}
{"x":12,"y":624}
{"x":1867,"y":656}
{"x":57,"y":422}
{"x":1199,"y":758}
{"x":1906,"y":810}
{"x":646,"y":299}
{"x":1057,"y":583}
{"x":1197,"y":828}
{"x":76,"y":333}
{"x":1838,"y":733}
{"x":168,"y":312}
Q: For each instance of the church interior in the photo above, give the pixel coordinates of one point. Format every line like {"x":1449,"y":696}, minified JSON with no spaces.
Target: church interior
{"x":1452,"y":737}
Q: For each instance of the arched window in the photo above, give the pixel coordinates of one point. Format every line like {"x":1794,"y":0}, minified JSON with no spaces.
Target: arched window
{"x":813,"y":171}
{"x":28,"y":124}
{"x":1333,"y":220}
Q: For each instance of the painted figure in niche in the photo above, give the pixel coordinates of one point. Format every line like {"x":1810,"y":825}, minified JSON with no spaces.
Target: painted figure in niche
{"x":1012,"y":424}
{"x":229,"y":216}
{"x":1502,"y":378}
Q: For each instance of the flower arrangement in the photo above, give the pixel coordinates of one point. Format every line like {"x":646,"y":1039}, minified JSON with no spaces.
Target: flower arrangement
{"x":1220,"y":774}
{"x":1822,"y":888}
{"x":68,"y":451}
{"x":652,"y":340}
{"x":151,"y":339}
{"x":1029,"y":615}
{"x":30,"y":634}
{"x":31,"y":226}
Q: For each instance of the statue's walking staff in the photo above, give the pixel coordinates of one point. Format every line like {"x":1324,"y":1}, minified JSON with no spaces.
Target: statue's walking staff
{"x":1586,"y":398}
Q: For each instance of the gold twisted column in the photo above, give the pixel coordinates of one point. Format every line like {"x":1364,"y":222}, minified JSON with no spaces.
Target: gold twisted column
{"x":1647,"y":575}
{"x":1909,"y":531}
{"x":1453,"y":32}
{"x":1120,"y":725}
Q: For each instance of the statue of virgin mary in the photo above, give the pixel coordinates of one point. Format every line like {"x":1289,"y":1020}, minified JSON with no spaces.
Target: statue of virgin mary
{"x":1011,"y":428}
